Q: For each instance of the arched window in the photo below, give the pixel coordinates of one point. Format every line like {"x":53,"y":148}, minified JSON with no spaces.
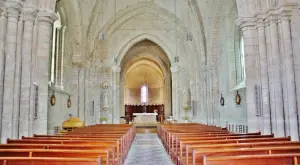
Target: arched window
{"x":144,"y":93}
{"x":57,"y":54}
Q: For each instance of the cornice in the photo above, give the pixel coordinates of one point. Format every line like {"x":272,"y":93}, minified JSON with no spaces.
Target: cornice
{"x":246,"y":22}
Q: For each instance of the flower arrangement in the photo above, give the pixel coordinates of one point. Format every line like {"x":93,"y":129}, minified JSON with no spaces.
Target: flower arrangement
{"x":103,"y":119}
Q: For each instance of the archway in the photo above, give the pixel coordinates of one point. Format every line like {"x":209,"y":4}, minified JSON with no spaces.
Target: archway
{"x":145,"y":63}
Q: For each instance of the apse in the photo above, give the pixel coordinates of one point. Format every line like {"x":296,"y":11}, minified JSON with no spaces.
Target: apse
{"x":146,"y":77}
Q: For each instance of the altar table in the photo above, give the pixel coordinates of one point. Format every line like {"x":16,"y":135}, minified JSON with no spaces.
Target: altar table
{"x":145,"y":118}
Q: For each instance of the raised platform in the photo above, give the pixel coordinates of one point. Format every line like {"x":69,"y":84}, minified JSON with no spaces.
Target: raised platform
{"x":146,"y":125}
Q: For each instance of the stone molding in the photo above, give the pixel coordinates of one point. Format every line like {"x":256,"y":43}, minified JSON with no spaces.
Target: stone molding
{"x":46,"y":17}
{"x":116,"y":69}
{"x":274,"y":15}
{"x":13,"y":9}
{"x":29,"y":14}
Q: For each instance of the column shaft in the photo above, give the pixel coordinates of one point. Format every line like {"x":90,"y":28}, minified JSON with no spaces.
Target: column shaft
{"x":290,"y":88}
{"x":26,"y":77}
{"x":3,"y":22}
{"x":45,"y":21}
{"x":275,"y":82}
{"x":266,"y":113}
{"x":17,"y":84}
{"x":13,"y":12}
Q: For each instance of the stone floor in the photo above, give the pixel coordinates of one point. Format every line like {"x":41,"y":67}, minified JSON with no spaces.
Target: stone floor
{"x":147,"y":150}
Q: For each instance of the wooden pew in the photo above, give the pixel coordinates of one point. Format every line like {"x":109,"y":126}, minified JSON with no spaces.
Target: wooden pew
{"x":209,"y":145}
{"x":111,"y":143}
{"x":48,"y":161}
{"x":99,"y":153}
{"x":199,"y":154}
{"x":279,"y":159}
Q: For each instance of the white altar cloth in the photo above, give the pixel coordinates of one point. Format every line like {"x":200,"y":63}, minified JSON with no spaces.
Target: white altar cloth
{"x":145,"y":118}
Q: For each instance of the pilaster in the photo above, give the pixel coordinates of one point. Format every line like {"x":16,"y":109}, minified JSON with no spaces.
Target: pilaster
{"x":175,"y":92}
{"x":116,"y":109}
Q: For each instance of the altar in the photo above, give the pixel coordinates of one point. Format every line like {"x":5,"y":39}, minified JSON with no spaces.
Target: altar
{"x":145,"y":118}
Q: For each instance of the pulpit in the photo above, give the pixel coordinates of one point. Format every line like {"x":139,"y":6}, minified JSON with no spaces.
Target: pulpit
{"x":145,"y":118}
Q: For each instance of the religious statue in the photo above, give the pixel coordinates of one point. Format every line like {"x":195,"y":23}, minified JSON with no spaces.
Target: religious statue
{"x":105,"y":101}
{"x":186,"y":99}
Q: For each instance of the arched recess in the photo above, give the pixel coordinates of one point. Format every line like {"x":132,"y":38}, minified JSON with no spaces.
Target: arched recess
{"x":153,"y":54}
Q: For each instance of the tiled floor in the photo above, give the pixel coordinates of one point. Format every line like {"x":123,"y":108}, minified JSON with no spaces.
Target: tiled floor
{"x":147,"y":150}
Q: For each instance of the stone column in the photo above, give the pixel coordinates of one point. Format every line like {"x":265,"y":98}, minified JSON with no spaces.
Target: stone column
{"x":167,"y":96}
{"x":81,"y":93}
{"x":208,"y":96}
{"x":266,"y":113}
{"x":26,"y":79}
{"x":17,"y":84}
{"x":117,"y":111}
{"x":248,"y":28}
{"x":175,"y":92}
{"x":3,"y":22}
{"x":13,"y":12}
{"x":45,"y":21}
{"x":288,"y":71}
{"x":275,"y":79}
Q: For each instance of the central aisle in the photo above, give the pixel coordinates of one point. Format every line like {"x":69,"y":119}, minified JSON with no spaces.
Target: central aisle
{"x":147,"y":150}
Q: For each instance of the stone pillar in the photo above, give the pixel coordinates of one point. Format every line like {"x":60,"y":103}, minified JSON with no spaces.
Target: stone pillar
{"x":45,"y":21}
{"x":117,"y":111}
{"x":203,"y":114}
{"x":13,"y":12}
{"x":288,"y":70}
{"x":175,"y":93}
{"x":266,"y":113}
{"x":17,"y":84}
{"x":248,"y":28}
{"x":3,"y":22}
{"x":276,"y":100}
{"x":81,"y":93}
{"x":168,"y":96}
{"x":209,"y":96}
{"x":26,"y":79}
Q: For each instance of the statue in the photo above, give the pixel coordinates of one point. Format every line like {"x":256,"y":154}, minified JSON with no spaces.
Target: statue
{"x":105,"y":101}
{"x":186,"y":99}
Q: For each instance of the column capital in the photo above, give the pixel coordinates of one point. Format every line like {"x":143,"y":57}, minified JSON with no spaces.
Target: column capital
{"x":272,"y":18}
{"x":246,"y":22}
{"x":46,"y":17}
{"x":30,"y":13}
{"x":13,"y":8}
{"x":286,"y":13}
{"x":260,"y":22}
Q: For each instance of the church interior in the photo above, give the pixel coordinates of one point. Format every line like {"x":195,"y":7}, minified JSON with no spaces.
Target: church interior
{"x":150,"y":82}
